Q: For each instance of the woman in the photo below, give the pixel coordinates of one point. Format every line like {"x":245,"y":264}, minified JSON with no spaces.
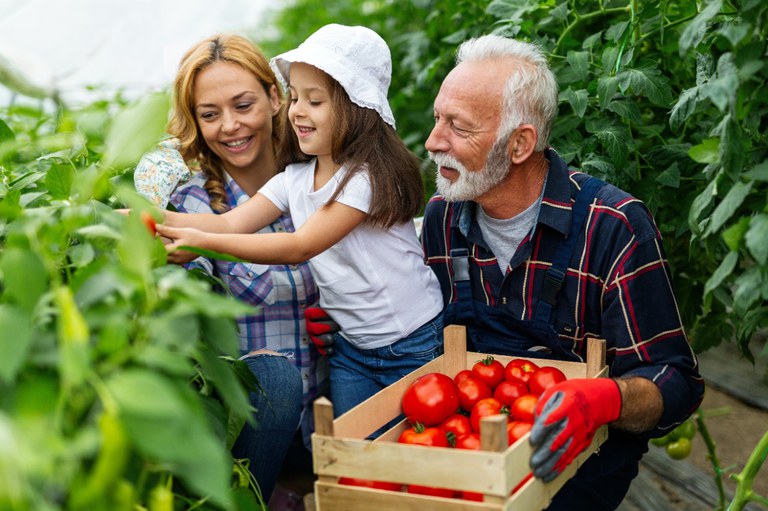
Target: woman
{"x":227,"y":120}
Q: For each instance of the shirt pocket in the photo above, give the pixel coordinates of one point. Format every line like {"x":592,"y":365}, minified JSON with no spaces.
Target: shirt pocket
{"x":251,"y":283}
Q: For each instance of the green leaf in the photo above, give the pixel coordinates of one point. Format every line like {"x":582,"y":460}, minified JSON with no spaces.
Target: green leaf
{"x":728,"y":206}
{"x":135,"y":130}
{"x":626,"y":109}
{"x":17,"y":339}
{"x":143,"y":393}
{"x":747,"y":291}
{"x":733,"y":235}
{"x":598,"y":167}
{"x":607,"y":86}
{"x":58,"y":180}
{"x":25,"y":277}
{"x":647,"y":81}
{"x":591,"y":40}
{"x":684,"y":107}
{"x":212,"y":254}
{"x":223,"y":376}
{"x":577,"y":99}
{"x":757,"y":238}
{"x":759,"y":172}
{"x":706,"y":152}
{"x":696,"y":30}
{"x":722,"y":272}
{"x":613,"y":136}
{"x":670,"y":177}
{"x":6,"y":133}
{"x":579,"y":62}
{"x":701,"y":203}
{"x":722,"y":90}
{"x":735,"y":32}
{"x":511,"y":10}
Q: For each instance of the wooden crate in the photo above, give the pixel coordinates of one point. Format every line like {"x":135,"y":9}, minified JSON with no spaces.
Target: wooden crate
{"x":340,"y":448}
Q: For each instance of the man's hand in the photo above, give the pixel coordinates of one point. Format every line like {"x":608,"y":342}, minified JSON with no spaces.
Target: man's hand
{"x":180,"y":237}
{"x":566,"y":419}
{"x":321,"y":328}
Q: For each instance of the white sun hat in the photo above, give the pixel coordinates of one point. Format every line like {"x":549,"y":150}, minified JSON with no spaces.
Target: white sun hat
{"x":356,"y":57}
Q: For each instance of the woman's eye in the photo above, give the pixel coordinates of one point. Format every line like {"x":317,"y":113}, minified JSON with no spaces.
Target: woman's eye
{"x":244,"y":106}
{"x":294,"y":100}
{"x":207,"y":116}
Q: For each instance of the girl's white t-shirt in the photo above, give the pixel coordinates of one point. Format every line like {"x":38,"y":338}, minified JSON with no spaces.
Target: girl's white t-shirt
{"x":374,"y":282}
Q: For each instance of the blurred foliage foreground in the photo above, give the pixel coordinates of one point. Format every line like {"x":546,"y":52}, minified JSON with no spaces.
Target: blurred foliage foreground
{"x":119,"y":384}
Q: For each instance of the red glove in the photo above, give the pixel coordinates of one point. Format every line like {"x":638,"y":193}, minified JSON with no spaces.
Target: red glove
{"x":320,"y":328}
{"x":565,"y":421}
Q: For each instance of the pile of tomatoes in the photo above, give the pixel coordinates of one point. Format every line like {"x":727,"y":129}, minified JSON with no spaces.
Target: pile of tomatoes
{"x":446,"y":412}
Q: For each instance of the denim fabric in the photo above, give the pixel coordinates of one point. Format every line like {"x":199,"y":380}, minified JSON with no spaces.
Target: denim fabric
{"x":277,"y":416}
{"x":358,"y":374}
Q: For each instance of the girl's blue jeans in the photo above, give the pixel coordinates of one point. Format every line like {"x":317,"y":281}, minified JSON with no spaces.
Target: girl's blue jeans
{"x":357,"y":374}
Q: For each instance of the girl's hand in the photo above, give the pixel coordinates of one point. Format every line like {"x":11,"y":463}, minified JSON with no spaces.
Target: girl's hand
{"x":179,"y":237}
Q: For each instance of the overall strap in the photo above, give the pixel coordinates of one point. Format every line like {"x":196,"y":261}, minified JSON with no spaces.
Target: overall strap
{"x":555,"y":275}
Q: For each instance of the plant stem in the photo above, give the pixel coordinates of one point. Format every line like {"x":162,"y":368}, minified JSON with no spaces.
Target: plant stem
{"x":711,"y":449}
{"x":583,"y":17}
{"x":744,"y":479}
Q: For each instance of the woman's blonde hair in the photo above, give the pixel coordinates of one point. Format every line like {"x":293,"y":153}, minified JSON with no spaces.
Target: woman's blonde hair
{"x":183,"y":124}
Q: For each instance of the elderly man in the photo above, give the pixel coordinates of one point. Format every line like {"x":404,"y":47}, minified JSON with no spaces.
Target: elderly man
{"x":535,"y":259}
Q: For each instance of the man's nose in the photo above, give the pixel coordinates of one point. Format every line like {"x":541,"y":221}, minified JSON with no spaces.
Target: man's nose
{"x":437,"y":142}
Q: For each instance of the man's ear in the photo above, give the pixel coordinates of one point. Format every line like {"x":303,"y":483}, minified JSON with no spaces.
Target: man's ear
{"x":522,"y":143}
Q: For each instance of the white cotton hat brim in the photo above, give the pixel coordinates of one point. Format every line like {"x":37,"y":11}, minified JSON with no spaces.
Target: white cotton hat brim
{"x":356,"y":57}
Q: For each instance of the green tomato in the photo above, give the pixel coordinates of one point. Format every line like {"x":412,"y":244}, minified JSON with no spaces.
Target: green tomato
{"x":685,"y":430}
{"x":662,"y":440}
{"x":679,"y":449}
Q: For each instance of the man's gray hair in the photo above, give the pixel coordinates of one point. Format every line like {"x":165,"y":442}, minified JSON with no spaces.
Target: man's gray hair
{"x":530,"y":94}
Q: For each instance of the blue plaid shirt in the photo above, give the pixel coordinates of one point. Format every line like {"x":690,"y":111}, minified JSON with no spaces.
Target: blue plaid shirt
{"x":279,"y":293}
{"x":617,"y":285}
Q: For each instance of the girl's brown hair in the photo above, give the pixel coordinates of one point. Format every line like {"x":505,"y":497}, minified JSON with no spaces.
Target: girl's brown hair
{"x":362,"y":140}
{"x":183,"y":125}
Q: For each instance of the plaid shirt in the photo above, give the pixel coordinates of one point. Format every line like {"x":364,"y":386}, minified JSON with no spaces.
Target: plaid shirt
{"x":617,"y":285}
{"x":280,"y":293}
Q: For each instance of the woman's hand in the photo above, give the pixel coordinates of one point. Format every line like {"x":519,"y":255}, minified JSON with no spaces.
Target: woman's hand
{"x":180,"y":237}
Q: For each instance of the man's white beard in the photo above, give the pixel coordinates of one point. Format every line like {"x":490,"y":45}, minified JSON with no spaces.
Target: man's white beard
{"x":471,"y":185}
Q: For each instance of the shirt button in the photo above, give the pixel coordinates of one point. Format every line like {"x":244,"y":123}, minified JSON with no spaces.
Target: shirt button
{"x":293,"y":267}
{"x":250,"y":274}
{"x":303,"y":340}
{"x":503,"y":300}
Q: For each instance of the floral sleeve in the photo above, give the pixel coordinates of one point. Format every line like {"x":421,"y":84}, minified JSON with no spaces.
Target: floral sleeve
{"x":160,"y":171}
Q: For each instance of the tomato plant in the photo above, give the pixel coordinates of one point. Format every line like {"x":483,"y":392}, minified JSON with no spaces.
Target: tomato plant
{"x":430,"y":399}
{"x":457,"y":424}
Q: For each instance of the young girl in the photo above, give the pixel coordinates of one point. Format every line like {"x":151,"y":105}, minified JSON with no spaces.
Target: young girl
{"x":352,"y":193}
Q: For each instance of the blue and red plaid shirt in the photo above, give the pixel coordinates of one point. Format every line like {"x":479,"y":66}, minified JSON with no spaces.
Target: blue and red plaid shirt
{"x":279,"y":294}
{"x":617,"y":286}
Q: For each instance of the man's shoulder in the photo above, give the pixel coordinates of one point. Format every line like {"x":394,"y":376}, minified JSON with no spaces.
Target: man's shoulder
{"x":620,"y":204}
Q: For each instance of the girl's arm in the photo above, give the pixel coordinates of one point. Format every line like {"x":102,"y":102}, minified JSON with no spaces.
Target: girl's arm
{"x":252,"y":216}
{"x":322,"y":230}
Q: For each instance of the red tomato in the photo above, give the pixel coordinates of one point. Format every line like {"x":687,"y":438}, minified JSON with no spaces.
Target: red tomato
{"x":367,"y":483}
{"x":462,"y":375}
{"x":509,"y":390}
{"x":521,"y":483}
{"x":149,"y":222}
{"x":470,"y":441}
{"x":457,"y":424}
{"x":490,"y":370}
{"x":471,"y":391}
{"x":519,"y":368}
{"x":543,"y":378}
{"x":420,"y":435}
{"x":485,"y":408}
{"x":430,"y":399}
{"x":523,"y":407}
{"x":470,"y":495}
{"x":516,"y":430}
{"x":432,"y":492}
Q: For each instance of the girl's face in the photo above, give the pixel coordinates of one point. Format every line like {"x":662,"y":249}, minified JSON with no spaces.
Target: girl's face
{"x":310,"y":110}
{"x":234,"y":115}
